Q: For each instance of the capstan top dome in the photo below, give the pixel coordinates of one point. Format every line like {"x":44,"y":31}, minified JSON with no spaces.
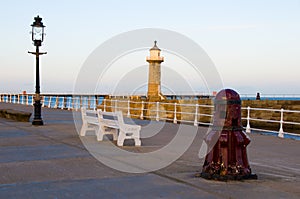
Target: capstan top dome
{"x":227,"y":96}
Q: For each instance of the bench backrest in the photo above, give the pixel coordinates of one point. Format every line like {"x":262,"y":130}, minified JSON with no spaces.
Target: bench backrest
{"x":87,"y":114}
{"x":110,"y":118}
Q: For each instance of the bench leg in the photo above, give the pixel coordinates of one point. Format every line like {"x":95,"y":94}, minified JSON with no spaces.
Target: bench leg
{"x":83,"y":129}
{"x":100,"y":133}
{"x":115,"y":134}
{"x":121,"y":138}
{"x":137,"y":142}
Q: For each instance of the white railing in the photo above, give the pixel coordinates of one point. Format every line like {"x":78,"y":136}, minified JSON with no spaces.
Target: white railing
{"x":158,"y":111}
{"x":176,"y":112}
{"x":281,"y":122}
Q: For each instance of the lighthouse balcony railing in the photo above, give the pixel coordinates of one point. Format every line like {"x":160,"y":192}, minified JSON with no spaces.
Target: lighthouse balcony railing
{"x":156,"y":58}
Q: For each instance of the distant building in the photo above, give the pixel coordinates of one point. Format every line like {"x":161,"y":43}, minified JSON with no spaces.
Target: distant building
{"x":154,"y":79}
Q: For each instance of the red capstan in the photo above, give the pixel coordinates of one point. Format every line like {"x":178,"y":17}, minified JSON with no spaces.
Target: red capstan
{"x":227,"y":154}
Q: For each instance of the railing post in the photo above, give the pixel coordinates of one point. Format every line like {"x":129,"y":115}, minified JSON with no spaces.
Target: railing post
{"x":66,"y":102}
{"x":142,"y":111}
{"x":88,"y":104}
{"x":26,"y":99}
{"x":104,"y":105}
{"x":96,"y":101}
{"x":33,"y":100}
{"x":175,"y":113}
{"x":63,"y":103}
{"x":69,"y":102}
{"x":85,"y":102}
{"x":248,"y":129}
{"x":43,"y":101}
{"x":128,"y":108}
{"x":196,"y":116}
{"x":78,"y":103}
{"x":281,"y":132}
{"x":56,"y":102}
{"x":116,"y":105}
{"x":49,"y":101}
{"x":81,"y":104}
{"x":10,"y":98}
{"x":157,"y":111}
{"x":74,"y":102}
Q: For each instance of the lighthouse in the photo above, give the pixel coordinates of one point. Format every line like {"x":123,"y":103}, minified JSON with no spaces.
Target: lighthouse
{"x":154,"y":78}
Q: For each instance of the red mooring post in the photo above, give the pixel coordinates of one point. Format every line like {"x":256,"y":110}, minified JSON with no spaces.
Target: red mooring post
{"x":226,"y":157}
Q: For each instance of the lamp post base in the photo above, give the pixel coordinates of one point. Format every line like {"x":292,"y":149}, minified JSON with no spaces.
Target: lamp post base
{"x":37,"y":122}
{"x":37,"y":119}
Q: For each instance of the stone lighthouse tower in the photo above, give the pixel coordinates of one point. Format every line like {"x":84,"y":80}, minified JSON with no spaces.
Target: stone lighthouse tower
{"x":154,"y":92}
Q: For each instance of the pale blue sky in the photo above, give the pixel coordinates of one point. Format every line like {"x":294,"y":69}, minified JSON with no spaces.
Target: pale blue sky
{"x":255,"y":44}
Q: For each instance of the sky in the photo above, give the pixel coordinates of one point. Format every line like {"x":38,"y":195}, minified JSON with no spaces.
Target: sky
{"x":254,"y":45}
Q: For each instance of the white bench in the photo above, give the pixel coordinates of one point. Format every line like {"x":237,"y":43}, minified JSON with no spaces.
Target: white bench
{"x":90,"y":122}
{"x":114,"y":121}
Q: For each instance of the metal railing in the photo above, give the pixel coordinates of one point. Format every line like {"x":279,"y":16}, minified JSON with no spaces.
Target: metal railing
{"x":281,"y":122}
{"x":172,"y":112}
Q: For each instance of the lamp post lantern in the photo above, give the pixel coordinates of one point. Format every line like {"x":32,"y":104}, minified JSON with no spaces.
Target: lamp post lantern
{"x":37,"y":35}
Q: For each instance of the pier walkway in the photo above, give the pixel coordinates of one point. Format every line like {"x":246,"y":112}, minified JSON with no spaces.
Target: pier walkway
{"x":50,"y":161}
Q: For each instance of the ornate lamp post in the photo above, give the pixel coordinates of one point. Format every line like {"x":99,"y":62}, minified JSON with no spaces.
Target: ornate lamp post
{"x":37,"y":34}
